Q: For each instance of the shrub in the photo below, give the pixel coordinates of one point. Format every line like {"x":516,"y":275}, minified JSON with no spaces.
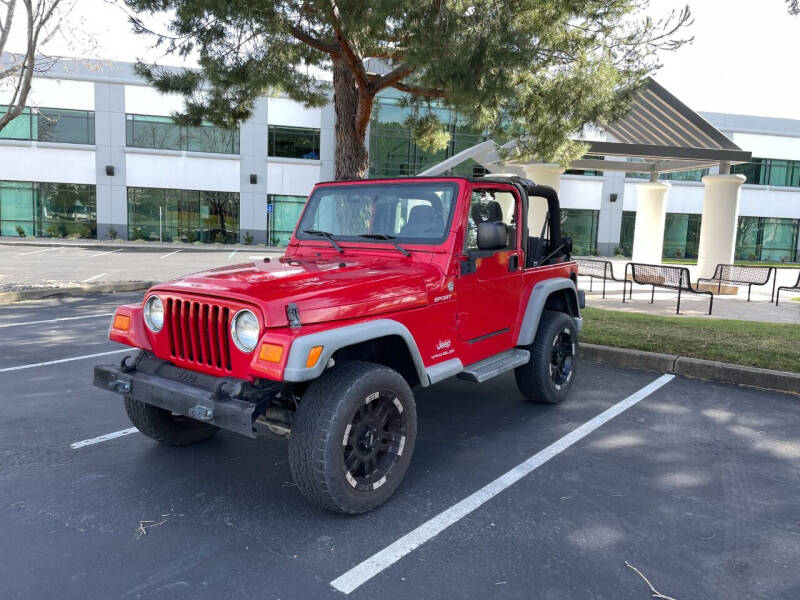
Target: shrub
{"x":220,"y":238}
{"x":138,"y":234}
{"x":248,"y":239}
{"x":111,"y":233}
{"x":20,"y":231}
{"x":618,"y":251}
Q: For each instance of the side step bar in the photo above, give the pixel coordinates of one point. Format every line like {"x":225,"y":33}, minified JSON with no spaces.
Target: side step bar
{"x":495,"y":365}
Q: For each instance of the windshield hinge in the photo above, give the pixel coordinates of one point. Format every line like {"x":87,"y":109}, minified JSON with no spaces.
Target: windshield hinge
{"x":293,"y":314}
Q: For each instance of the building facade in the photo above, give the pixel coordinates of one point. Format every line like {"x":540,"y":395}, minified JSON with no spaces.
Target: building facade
{"x":99,"y":157}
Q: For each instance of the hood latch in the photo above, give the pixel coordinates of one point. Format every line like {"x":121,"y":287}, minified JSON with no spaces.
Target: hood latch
{"x":293,"y":314}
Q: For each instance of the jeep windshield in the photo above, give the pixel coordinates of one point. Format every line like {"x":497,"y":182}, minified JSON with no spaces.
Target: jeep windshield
{"x":388,"y":213}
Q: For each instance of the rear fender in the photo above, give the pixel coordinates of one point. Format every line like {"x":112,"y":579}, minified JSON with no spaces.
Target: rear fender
{"x":552,"y":294}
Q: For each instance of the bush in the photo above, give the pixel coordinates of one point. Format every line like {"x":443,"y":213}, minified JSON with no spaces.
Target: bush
{"x":618,"y":251}
{"x":56,"y":230}
{"x":138,"y":234}
{"x":248,"y":239}
{"x":275,"y":240}
{"x":20,"y":231}
{"x":220,"y":238}
{"x":112,"y":233}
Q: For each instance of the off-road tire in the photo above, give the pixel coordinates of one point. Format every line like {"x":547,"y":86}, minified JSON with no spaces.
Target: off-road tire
{"x":331,"y":413}
{"x":166,"y":428}
{"x":536,"y":380}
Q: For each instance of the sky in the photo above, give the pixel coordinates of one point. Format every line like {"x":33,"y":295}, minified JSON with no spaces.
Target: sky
{"x":744,"y":58}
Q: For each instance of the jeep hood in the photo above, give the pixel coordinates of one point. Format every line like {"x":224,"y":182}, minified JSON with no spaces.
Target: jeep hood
{"x":323,"y":289}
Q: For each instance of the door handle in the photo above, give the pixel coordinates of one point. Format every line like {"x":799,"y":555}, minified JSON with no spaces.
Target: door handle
{"x":513,"y":262}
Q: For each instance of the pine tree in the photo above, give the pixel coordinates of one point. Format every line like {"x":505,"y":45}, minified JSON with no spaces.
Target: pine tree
{"x":540,"y":69}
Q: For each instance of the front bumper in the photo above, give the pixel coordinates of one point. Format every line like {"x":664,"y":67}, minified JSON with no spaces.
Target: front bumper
{"x":214,"y":400}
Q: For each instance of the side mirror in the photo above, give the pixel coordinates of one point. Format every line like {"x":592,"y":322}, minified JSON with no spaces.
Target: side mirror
{"x":567,"y":244}
{"x":492,"y":236}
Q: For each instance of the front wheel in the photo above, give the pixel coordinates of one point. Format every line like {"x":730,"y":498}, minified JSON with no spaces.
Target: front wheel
{"x":548,"y":376}
{"x":352,"y":437}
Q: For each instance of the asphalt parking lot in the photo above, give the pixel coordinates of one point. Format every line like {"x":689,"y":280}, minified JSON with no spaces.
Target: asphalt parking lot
{"x":54,"y":265}
{"x":696,"y":484}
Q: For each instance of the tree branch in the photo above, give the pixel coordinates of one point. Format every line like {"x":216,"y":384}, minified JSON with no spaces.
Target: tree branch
{"x":304,"y":37}
{"x":5,"y":28}
{"x":417,"y":91}
{"x":354,"y":61}
{"x":390,"y":78}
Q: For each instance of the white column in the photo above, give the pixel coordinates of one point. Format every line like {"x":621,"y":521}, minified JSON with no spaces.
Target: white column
{"x":548,"y":174}
{"x":651,"y":210}
{"x":720,"y":217}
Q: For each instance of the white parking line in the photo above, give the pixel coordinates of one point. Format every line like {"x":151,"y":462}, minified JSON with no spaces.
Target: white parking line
{"x":39,"y":251}
{"x":103,"y":438}
{"x":63,"y":360}
{"x":93,"y":277}
{"x":55,"y":320}
{"x":375,"y":564}
{"x":104,"y":253}
{"x":170,"y":254}
{"x":232,"y":253}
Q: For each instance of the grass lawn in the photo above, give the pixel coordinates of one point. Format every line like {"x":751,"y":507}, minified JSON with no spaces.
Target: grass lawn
{"x":766,"y":345}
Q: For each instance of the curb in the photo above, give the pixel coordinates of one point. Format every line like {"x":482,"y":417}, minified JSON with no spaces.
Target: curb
{"x":78,"y":290}
{"x":694,"y":368}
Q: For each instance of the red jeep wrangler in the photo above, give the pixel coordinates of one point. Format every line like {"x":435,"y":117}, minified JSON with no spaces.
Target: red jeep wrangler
{"x":385,"y":285}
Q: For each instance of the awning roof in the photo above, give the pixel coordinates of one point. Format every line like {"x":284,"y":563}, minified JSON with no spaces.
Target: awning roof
{"x":659,"y":131}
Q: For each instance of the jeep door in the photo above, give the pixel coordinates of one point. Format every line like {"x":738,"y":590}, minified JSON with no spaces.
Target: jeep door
{"x":490,"y":281}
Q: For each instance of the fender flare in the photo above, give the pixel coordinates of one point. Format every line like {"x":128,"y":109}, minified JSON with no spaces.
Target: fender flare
{"x":332,"y":340}
{"x":533,"y":312}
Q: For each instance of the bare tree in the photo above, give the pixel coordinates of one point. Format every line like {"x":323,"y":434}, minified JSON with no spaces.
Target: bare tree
{"x":794,"y":7}
{"x":41,"y":19}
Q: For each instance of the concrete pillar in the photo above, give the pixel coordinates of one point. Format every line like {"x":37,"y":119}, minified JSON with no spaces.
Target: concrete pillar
{"x":720,"y":217}
{"x":548,"y":174}
{"x":327,"y":142}
{"x":252,"y":161}
{"x":609,"y":222}
{"x":651,"y":210}
{"x":109,"y":128}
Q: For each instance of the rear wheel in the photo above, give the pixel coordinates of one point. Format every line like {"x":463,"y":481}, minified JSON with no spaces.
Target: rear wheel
{"x":548,"y":376}
{"x":352,"y":437}
{"x":166,"y":427}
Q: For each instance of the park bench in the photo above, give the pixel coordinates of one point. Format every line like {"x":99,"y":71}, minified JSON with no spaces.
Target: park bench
{"x":795,"y":287}
{"x":597,"y":269}
{"x":673,"y":278}
{"x":742,"y":275}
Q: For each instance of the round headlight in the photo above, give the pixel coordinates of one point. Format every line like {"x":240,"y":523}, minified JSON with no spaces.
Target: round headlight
{"x":154,"y":314}
{"x":244,"y":330}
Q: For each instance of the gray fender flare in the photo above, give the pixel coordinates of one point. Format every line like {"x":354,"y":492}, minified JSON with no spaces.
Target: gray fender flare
{"x":533,"y":312}
{"x":332,"y":340}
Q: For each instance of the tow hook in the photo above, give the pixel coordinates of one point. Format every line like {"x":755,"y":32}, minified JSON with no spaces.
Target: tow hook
{"x":120,"y":386}
{"x":201,"y":413}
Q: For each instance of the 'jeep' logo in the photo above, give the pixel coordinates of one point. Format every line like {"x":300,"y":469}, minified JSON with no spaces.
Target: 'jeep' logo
{"x":443,"y":344}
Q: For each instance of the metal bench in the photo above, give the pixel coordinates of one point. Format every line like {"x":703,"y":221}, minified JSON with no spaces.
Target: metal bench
{"x":597,"y":269}
{"x":789,"y":288}
{"x":742,"y":275}
{"x":673,"y":278}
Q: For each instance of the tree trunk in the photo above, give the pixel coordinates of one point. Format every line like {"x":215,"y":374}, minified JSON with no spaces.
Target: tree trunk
{"x":353,"y":107}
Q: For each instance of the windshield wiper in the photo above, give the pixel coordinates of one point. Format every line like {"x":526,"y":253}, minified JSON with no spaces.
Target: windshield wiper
{"x":389,"y":238}
{"x":325,"y":234}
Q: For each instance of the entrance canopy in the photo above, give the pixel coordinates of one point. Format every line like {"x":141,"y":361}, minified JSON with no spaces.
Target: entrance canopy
{"x":659,"y":132}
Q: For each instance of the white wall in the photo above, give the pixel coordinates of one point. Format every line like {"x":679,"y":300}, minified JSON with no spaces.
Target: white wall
{"x":758,"y":201}
{"x":143,"y":100}
{"x":580,"y":192}
{"x":52,"y":93}
{"x":283,"y":111}
{"x":291,"y":179}
{"x":182,"y":172}
{"x":28,"y":163}
{"x":769,"y":146}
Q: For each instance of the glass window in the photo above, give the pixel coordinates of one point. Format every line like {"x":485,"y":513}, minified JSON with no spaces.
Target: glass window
{"x":581,"y":226}
{"x":18,"y":128}
{"x":186,"y":215}
{"x":491,"y":206}
{"x":162,"y":133}
{"x":293,"y":142}
{"x":770,"y":171}
{"x":286,"y":211}
{"x":48,"y":209}
{"x":626,"y":232}
{"x":412,"y":212}
{"x":681,"y":235}
{"x":68,"y":126}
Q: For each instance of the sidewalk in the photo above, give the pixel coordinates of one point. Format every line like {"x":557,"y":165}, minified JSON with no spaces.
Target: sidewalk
{"x":696,"y":305}
{"x":130,"y":245}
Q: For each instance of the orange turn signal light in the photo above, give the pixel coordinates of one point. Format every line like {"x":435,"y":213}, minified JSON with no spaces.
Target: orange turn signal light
{"x":313,"y":356}
{"x":122,"y":322}
{"x":271,"y":353}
